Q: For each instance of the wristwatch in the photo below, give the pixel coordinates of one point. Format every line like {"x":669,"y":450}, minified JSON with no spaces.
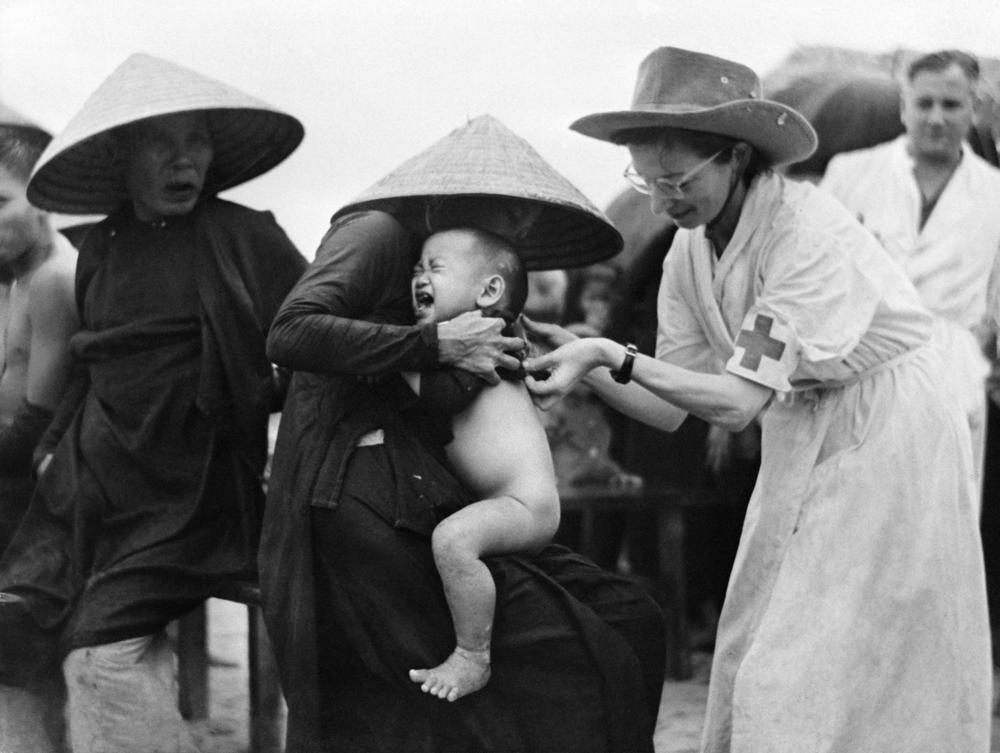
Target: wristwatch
{"x":623,"y":374}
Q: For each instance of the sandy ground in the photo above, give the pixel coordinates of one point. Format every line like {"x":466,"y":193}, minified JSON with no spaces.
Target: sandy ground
{"x":678,"y":727}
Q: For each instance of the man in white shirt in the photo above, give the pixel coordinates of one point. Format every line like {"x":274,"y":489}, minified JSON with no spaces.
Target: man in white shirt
{"x":934,"y":206}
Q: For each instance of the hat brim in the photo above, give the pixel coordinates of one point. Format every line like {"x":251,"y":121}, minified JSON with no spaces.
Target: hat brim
{"x":780,"y":133}
{"x":561,"y":237}
{"x":77,"y":173}
{"x":83,"y":178}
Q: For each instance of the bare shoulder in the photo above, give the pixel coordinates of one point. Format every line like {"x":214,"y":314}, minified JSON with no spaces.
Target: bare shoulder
{"x":507,"y":396}
{"x":51,"y":292}
{"x":57,"y":274}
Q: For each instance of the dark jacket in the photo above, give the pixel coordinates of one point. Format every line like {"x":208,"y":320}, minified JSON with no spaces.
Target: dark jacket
{"x":573,"y":644}
{"x":154,"y":491}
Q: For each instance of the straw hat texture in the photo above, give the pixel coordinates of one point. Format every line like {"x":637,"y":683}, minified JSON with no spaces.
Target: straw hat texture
{"x":485,"y":158}
{"x":684,"y":89}
{"x":77,"y":175}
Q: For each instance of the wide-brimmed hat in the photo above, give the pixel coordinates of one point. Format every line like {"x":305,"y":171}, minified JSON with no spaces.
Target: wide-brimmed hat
{"x":683,"y":89}
{"x":77,"y":174}
{"x":485,"y":158}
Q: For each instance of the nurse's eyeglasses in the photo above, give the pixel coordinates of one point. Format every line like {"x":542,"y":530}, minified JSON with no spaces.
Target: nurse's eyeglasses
{"x":675,"y":188}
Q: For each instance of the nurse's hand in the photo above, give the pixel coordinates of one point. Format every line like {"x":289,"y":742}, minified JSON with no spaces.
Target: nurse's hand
{"x":566,"y":365}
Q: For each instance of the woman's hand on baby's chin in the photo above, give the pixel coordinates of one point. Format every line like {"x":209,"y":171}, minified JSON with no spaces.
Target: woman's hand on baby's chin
{"x":475,"y":343}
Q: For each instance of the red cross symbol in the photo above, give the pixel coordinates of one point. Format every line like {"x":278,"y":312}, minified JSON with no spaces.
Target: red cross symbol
{"x":758,"y":343}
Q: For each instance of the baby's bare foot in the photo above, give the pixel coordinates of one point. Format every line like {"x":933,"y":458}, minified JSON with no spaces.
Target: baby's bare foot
{"x":461,"y":673}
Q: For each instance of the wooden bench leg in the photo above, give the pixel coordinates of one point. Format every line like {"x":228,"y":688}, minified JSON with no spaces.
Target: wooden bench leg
{"x":192,"y":664}
{"x":266,"y":700}
{"x":670,"y":542}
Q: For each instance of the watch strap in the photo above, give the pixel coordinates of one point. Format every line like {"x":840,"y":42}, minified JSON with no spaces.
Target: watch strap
{"x":623,"y":374}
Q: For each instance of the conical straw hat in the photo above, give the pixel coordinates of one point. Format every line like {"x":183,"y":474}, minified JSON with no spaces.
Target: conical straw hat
{"x":485,"y":158}
{"x":76,"y":174}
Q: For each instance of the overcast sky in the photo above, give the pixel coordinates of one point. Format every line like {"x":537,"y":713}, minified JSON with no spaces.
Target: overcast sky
{"x":376,"y":81}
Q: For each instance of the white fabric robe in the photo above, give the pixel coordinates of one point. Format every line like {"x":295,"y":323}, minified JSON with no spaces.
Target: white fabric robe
{"x":948,"y":260}
{"x":855,"y":619}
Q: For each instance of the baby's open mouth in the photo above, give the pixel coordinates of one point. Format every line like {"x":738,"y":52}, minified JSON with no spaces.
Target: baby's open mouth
{"x":423,"y":298}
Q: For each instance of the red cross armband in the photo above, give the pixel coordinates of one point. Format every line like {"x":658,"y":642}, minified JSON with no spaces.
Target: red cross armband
{"x":765,"y":352}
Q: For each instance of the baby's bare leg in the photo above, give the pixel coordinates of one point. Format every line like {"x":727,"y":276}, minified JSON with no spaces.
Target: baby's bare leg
{"x":486,"y":527}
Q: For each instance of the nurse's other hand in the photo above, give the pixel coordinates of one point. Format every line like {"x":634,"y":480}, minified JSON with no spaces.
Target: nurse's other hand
{"x":566,"y":365}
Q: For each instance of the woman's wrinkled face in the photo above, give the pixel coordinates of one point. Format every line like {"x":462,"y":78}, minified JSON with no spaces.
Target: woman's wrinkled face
{"x":166,"y":161}
{"x":700,"y":198}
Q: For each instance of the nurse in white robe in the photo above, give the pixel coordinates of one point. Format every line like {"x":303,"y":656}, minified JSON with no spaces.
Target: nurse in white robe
{"x":855,"y":619}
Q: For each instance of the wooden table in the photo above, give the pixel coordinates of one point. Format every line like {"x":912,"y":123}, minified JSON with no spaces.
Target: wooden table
{"x":668,"y":504}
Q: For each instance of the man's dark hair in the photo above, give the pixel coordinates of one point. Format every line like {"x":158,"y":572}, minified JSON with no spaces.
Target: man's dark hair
{"x":20,"y":148}
{"x":942,"y":60}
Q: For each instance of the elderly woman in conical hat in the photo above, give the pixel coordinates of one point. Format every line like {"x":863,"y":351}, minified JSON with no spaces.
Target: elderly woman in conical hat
{"x":360,"y":480}
{"x":855,"y":617}
{"x":149,"y":490}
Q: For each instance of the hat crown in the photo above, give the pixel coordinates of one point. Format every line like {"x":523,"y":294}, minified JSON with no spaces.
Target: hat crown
{"x":482,"y":156}
{"x":145,"y":86}
{"x":682,"y":80}
{"x":679,"y":88}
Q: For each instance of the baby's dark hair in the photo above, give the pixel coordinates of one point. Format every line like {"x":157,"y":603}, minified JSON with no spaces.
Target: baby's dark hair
{"x":501,"y":257}
{"x":20,"y":148}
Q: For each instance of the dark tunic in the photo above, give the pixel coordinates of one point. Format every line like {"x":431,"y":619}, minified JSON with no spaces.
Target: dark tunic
{"x":352,"y":597}
{"x":154,"y":491}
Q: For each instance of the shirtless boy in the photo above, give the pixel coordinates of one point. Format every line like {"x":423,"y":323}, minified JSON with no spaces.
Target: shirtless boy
{"x":499,"y":451}
{"x":39,"y":319}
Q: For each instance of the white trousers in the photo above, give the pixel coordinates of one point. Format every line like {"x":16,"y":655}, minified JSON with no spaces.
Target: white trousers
{"x":122,"y":698}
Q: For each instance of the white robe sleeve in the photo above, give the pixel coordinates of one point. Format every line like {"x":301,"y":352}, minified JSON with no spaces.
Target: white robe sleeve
{"x":680,"y":334}
{"x":815,"y":299}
